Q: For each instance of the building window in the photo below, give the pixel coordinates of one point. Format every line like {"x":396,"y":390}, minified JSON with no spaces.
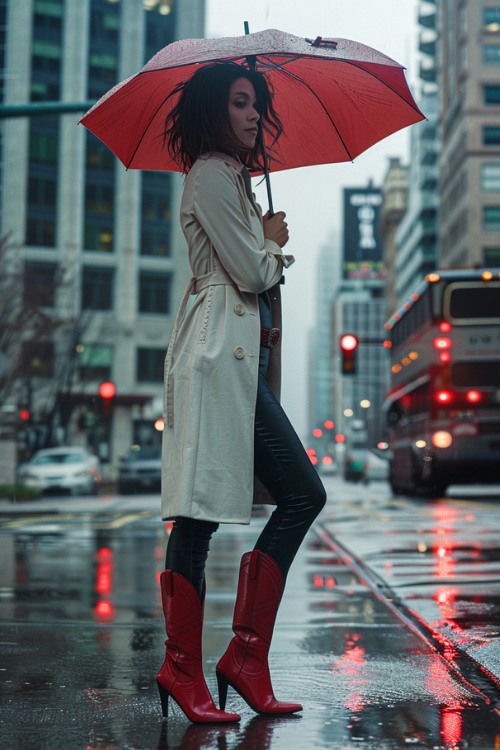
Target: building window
{"x":491,"y":54}
{"x":491,"y":94}
{"x":491,"y":20}
{"x":40,"y":232}
{"x":491,"y":135}
{"x":491,"y":218}
{"x":155,"y":214}
{"x":150,"y":364}
{"x":99,"y":199}
{"x":97,"y":288}
{"x":154,"y":242}
{"x":98,"y":155}
{"x":94,"y":361}
{"x":154,"y":292}
{"x":41,"y":191}
{"x":98,"y":237}
{"x":490,"y":177}
{"x":43,"y":147}
{"x":39,"y":284}
{"x":38,"y":359}
{"x":491,"y":256}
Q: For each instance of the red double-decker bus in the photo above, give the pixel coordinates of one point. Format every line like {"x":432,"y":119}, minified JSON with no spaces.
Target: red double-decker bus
{"x":443,"y":406}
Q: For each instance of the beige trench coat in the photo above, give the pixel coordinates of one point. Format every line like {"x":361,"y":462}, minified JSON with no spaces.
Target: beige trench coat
{"x":211,"y":368}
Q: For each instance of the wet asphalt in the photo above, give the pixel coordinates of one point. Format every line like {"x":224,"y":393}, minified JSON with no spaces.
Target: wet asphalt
{"x":387,"y":633}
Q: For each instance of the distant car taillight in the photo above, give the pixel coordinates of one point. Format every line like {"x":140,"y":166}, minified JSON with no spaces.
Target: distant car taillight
{"x":444,"y":397}
{"x":473,"y":397}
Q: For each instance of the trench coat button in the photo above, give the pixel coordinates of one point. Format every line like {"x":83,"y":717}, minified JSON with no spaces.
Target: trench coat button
{"x":239,"y":309}
{"x":239,"y":352}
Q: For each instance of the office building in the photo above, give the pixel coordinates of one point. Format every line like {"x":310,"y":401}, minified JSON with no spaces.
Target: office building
{"x":417,"y":233}
{"x":469,"y":93}
{"x":98,"y":246}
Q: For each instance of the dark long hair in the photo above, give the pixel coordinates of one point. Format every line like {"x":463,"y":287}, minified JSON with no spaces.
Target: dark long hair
{"x":199,"y":121}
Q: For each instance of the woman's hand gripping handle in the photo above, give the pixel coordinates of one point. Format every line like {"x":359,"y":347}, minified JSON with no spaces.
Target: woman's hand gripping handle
{"x":276,"y":228}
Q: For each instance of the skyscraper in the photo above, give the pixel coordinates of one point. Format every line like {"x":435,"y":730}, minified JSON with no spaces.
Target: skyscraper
{"x":469,"y":89}
{"x":416,"y":236}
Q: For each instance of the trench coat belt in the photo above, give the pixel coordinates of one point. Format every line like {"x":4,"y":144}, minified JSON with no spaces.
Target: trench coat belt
{"x":195,"y":285}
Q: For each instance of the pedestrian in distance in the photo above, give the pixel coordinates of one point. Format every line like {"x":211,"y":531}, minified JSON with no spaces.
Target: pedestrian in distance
{"x":227,"y":442}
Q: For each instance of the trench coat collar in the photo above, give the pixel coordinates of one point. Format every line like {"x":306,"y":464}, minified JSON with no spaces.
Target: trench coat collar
{"x":231,"y":160}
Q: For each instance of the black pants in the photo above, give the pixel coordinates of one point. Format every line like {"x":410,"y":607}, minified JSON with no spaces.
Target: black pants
{"x":284,"y":468}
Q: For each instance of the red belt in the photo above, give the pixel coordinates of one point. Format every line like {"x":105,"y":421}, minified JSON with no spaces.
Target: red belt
{"x":269,"y":337}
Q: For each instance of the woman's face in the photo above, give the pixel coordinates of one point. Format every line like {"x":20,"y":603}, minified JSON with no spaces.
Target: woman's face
{"x":243,"y":117}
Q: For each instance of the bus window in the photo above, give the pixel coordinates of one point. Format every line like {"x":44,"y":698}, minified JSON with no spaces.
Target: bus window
{"x":465,"y":303}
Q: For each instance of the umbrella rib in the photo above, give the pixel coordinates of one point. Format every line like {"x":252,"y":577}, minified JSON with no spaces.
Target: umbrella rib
{"x":387,"y":86}
{"x":145,"y":130}
{"x":311,"y":90}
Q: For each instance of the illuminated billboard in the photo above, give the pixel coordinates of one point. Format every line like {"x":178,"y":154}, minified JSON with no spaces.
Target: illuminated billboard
{"x":362,"y":242}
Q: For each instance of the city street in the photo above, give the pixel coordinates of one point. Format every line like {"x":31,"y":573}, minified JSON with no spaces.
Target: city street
{"x":387,"y":633}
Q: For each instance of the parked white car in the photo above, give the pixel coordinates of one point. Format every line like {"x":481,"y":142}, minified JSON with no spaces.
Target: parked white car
{"x":66,"y":469}
{"x":376,"y":467}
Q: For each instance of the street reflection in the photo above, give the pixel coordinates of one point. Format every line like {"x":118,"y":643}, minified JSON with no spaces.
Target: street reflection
{"x":84,"y":621}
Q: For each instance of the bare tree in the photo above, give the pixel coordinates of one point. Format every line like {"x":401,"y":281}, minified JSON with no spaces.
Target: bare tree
{"x":38,"y":346}
{"x":27,"y":322}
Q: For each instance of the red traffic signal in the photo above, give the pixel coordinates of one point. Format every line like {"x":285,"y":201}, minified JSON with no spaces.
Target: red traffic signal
{"x":107,"y":391}
{"x":348,"y":347}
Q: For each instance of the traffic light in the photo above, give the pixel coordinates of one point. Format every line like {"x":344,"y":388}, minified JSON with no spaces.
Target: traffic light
{"x":348,"y":347}
{"x":107,"y":391}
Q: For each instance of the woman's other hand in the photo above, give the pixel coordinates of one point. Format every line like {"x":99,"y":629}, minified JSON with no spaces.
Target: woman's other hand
{"x":276,"y":228}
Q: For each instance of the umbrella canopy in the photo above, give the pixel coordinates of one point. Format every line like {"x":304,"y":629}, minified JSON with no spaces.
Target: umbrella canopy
{"x":335,"y":98}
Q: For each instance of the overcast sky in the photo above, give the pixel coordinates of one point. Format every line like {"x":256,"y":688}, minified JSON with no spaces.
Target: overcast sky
{"x":312,"y":196}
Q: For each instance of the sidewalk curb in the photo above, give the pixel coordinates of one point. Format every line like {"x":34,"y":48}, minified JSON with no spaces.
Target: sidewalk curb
{"x":459,"y":661}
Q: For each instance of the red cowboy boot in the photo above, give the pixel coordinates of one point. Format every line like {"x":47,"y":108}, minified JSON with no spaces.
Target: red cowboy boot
{"x":181,"y":675}
{"x":244,"y":666}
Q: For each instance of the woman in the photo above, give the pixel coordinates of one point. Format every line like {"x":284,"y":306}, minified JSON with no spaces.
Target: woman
{"x":223,"y":421}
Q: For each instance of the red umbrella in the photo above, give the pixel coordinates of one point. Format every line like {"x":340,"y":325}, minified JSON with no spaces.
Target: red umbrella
{"x":335,"y":98}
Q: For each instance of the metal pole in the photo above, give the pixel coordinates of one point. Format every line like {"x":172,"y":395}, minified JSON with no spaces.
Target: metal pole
{"x":34,"y":109}
{"x":252,"y":65}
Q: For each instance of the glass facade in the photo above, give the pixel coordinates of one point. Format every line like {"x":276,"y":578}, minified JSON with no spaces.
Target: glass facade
{"x":103,"y":58}
{"x":44,"y":131}
{"x":156,"y":186}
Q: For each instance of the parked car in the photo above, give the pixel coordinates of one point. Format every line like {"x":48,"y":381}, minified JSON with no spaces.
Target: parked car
{"x":140,"y":470}
{"x":65,"y":469}
{"x":376,"y":467}
{"x":354,"y":464}
{"x":327,"y":466}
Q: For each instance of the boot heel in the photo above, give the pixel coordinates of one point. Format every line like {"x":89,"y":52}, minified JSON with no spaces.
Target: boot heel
{"x":164,"y":699}
{"x":222,"y":685}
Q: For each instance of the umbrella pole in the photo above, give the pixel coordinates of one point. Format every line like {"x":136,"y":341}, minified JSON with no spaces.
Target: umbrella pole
{"x":251,"y":65}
